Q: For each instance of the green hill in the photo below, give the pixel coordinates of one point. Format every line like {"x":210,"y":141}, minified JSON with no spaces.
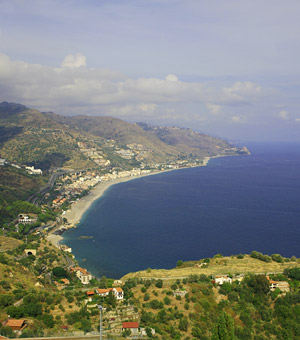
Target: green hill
{"x":48,"y":140}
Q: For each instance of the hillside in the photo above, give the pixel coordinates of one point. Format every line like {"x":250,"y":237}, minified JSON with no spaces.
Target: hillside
{"x":31,"y":138}
{"x":216,"y":266}
{"x":48,"y":141}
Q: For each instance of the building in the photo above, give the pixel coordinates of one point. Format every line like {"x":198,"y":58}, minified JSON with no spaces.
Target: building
{"x":65,"y":281}
{"x":16,"y":325}
{"x":118,"y":283}
{"x":102,"y":291}
{"x":66,"y":248}
{"x":83,"y":275}
{"x":132,"y":326}
{"x":282,"y":285}
{"x":32,"y":171}
{"x":220,"y":279}
{"x":117,"y":291}
{"x":27,"y":219}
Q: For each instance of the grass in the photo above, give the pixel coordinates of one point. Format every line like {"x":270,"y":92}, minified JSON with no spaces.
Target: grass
{"x":8,"y":243}
{"x":224,"y":265}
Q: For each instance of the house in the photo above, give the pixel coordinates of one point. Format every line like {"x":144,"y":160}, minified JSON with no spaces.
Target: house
{"x":2,"y":161}
{"x":66,"y":248}
{"x":132,"y":326}
{"x":117,"y":283}
{"x":32,"y":171}
{"x":90,"y":293}
{"x":16,"y":325}
{"x":83,"y":275}
{"x":65,"y":281}
{"x":27,"y":219}
{"x":103,"y":292}
{"x":282,"y":285}
{"x":117,"y":291}
{"x":220,"y":279}
{"x":144,"y":333}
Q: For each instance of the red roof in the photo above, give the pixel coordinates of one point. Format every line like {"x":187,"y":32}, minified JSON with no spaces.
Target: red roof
{"x":119,"y":289}
{"x":90,"y":293}
{"x":130,"y":324}
{"x":16,"y":324}
{"x":103,"y":291}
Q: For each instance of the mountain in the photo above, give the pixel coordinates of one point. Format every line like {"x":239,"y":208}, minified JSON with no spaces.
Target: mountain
{"x":49,"y":141}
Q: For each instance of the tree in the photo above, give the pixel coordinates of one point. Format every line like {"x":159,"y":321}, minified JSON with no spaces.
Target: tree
{"x":224,"y":329}
{"x":6,"y":300}
{"x":159,"y":283}
{"x":259,"y":283}
{"x":179,"y":263}
{"x":111,"y":299}
{"x":183,"y":324}
{"x":59,"y":272}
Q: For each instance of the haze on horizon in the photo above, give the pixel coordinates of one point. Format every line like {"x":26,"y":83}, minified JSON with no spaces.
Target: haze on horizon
{"x":226,"y":68}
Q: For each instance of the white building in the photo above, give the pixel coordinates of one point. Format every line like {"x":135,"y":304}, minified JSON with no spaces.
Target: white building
{"x":219,"y":279}
{"x":83,"y":275}
{"x":32,"y":171}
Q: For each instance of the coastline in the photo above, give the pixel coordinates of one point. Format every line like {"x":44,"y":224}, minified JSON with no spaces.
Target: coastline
{"x":78,"y":208}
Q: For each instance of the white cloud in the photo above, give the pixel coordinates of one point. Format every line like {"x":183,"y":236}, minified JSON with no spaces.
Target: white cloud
{"x":74,"y":88}
{"x":213,"y":108}
{"x":236,"y":119}
{"x":147,"y":107}
{"x":283,"y":114}
{"x":242,"y":91}
{"x":171,"y":77}
{"x":74,"y":61}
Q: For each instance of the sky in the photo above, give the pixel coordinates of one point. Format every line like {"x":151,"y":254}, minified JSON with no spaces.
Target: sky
{"x":227,"y":68}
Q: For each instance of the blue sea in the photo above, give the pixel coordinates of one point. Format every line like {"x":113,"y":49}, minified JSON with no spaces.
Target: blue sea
{"x":234,"y":205}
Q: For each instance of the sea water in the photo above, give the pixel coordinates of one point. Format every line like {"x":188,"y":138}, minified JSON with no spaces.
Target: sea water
{"x":234,"y":205}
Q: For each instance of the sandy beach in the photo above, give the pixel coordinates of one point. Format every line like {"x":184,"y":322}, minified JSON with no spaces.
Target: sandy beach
{"x":78,"y":208}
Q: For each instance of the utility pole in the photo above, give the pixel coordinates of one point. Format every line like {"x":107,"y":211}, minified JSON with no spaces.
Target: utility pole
{"x":100,"y":329}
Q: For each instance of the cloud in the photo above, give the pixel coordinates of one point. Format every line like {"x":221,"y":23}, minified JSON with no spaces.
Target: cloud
{"x":213,"y":108}
{"x":74,"y":61}
{"x":171,"y":77}
{"x":283,"y":114}
{"x":236,"y":119}
{"x":74,"y":88}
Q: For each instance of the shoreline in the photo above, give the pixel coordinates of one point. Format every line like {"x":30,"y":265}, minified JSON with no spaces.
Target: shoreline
{"x":80,"y":207}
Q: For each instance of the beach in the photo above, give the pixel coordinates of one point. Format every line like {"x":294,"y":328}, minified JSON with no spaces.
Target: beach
{"x":79,"y":207}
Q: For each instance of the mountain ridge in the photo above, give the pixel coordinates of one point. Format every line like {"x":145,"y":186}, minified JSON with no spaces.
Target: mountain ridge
{"x":28,"y":135}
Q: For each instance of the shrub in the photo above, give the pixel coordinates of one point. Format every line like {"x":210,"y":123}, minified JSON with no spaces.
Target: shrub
{"x":159,"y":283}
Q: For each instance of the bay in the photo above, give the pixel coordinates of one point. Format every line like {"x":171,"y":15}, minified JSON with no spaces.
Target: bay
{"x":234,"y":205}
